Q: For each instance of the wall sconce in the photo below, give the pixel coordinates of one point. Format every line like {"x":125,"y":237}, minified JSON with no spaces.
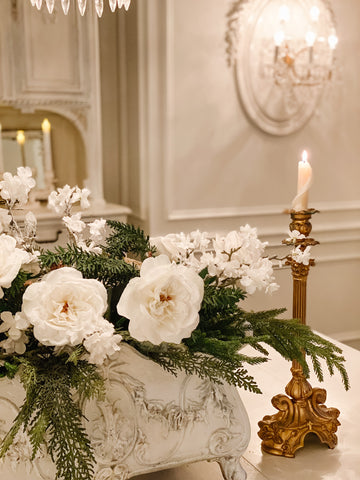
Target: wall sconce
{"x":283,"y":53}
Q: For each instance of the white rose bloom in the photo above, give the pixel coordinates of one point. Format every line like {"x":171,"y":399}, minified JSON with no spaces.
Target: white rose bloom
{"x":163,"y":303}
{"x":64,"y":307}
{"x":11,"y":259}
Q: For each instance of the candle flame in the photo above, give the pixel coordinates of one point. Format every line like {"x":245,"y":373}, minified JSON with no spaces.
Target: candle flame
{"x":46,"y":126}
{"x":20,"y":137}
{"x":304,"y":156}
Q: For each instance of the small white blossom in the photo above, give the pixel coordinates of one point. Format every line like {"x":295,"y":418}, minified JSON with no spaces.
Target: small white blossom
{"x":84,"y":202}
{"x":180,"y":246}
{"x":5,"y":220}
{"x":102,"y":343}
{"x":88,"y":247}
{"x":62,"y":199}
{"x":74,"y":223}
{"x":30,"y":225}
{"x":294,"y":235}
{"x":300,"y":256}
{"x":98,"y":230}
{"x":15,"y":189}
{"x":13,"y":326}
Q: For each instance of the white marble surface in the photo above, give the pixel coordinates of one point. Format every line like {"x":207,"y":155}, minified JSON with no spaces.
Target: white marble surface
{"x":315,"y":461}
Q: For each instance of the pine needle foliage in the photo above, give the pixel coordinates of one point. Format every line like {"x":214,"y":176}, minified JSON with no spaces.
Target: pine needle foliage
{"x":213,"y":350}
{"x":110,"y":271}
{"x":12,"y":299}
{"x":50,"y":415}
{"x":174,"y":358}
{"x":126,"y":240}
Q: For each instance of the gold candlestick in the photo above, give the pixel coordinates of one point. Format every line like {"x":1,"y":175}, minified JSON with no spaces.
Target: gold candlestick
{"x":284,"y":432}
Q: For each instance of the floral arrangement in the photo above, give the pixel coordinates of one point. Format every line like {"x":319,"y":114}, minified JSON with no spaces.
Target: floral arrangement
{"x":176,"y":299}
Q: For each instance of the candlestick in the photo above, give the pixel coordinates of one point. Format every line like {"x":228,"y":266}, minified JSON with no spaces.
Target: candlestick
{"x":1,"y":152}
{"x":300,"y":202}
{"x":303,"y":410}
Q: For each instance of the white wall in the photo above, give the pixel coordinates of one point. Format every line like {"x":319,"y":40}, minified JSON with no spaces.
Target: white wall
{"x":192,"y":159}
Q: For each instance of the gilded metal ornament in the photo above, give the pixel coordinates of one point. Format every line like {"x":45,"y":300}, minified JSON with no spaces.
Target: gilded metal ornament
{"x":303,"y":410}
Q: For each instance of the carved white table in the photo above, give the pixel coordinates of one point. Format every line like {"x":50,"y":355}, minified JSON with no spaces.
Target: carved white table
{"x":149,"y":421}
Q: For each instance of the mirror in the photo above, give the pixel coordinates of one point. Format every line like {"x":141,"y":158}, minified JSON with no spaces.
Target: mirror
{"x":29,"y":148}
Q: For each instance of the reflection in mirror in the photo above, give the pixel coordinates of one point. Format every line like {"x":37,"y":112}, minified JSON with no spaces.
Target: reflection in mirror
{"x":29,"y":148}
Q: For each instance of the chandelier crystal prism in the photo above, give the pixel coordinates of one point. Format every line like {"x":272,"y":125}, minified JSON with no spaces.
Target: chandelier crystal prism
{"x":82,"y":4}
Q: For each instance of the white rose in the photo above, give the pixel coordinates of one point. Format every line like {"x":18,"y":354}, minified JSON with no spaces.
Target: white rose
{"x":64,"y":307}
{"x":163,"y":303}
{"x":11,"y":259}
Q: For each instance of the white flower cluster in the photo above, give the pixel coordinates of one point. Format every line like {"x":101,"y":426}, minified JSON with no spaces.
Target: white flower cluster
{"x":15,"y":189}
{"x":77,"y":228}
{"x":298,"y":254}
{"x":62,"y":201}
{"x":236,"y":258}
{"x":14,"y":326}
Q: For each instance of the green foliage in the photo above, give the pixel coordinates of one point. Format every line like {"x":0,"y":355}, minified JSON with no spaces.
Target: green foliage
{"x":292,"y":339}
{"x":50,"y":412}
{"x":12,"y":299}
{"x":127,"y":239}
{"x":214,"y":348}
{"x":174,"y":358}
{"x":110,"y":271}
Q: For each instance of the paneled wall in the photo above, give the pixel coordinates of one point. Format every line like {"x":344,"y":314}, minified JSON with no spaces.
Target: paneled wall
{"x":190,"y":158}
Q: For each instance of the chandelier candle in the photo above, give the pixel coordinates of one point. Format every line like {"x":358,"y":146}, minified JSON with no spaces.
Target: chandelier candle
{"x":46,"y":129}
{"x":300,"y":202}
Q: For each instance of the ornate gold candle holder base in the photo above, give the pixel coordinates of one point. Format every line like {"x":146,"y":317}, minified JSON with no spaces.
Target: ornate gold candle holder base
{"x":302,"y":412}
{"x":284,"y":432}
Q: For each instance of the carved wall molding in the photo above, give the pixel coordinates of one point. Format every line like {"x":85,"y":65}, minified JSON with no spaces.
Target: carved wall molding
{"x":55,"y":67}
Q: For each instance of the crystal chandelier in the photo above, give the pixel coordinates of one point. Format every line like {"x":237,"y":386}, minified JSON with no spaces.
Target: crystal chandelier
{"x":300,"y":58}
{"x":99,"y":5}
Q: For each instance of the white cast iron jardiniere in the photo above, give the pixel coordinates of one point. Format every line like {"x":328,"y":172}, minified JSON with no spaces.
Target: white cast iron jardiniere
{"x":149,"y":420}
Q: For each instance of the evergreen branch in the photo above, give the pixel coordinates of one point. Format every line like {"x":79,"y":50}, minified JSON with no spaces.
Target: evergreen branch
{"x":292,"y":339}
{"x":174,"y":358}
{"x":12,"y":299}
{"x":127,"y":239}
{"x":49,"y":409}
{"x":110,"y":271}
